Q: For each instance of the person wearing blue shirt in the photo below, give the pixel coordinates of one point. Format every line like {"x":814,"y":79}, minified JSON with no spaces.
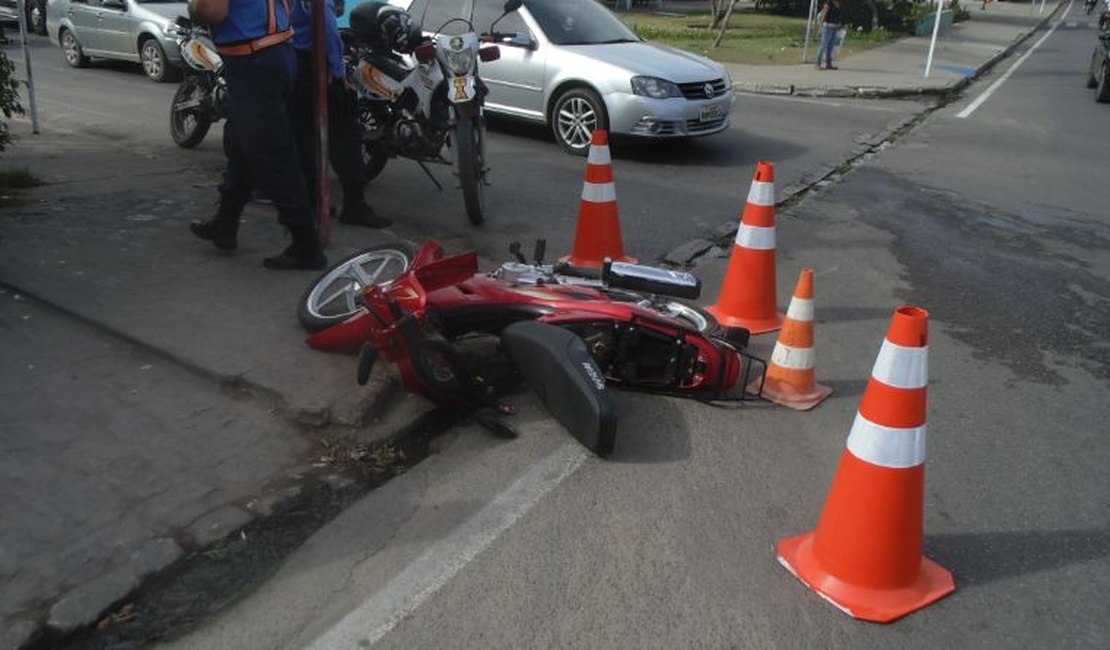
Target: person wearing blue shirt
{"x":254,"y":38}
{"x":344,"y":129}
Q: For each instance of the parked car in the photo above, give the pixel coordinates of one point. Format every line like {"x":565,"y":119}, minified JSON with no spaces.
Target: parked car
{"x":574,"y":66}
{"x":129,"y":30}
{"x":1098,"y":74}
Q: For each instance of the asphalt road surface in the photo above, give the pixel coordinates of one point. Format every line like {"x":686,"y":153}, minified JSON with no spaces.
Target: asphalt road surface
{"x":994,"y":221}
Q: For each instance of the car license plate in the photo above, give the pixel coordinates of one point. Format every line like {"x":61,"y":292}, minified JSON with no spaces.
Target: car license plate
{"x":712,"y":112}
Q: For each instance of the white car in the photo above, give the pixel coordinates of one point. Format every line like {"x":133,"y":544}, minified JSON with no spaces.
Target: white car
{"x":573,"y":65}
{"x":130,"y":30}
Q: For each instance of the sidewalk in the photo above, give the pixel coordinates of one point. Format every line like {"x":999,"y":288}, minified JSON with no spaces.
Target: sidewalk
{"x":898,"y":69}
{"x":105,"y":240}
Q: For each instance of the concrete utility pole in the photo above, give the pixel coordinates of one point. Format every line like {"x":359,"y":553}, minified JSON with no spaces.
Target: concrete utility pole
{"x":22,"y":9}
{"x":809,"y":24}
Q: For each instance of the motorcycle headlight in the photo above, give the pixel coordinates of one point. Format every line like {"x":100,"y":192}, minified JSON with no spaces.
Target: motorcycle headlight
{"x":655,"y":88}
{"x":459,"y":62}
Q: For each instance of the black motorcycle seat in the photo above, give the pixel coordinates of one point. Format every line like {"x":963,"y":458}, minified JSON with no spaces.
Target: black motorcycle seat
{"x":561,"y":371}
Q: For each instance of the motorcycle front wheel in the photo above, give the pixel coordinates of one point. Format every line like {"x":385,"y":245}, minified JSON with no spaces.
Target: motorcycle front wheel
{"x":336,"y":295}
{"x":469,"y":161}
{"x":188,"y":126}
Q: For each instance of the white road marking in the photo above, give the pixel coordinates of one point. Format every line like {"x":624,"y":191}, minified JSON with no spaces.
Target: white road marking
{"x":417,"y":582}
{"x":994,"y":86}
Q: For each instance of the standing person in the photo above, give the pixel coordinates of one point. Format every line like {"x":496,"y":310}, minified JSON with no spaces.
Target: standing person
{"x":831,"y":18}
{"x":344,"y":130}
{"x":254,"y":37}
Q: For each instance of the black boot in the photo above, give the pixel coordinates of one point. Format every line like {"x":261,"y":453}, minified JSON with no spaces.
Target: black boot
{"x":356,"y":212}
{"x":222,"y":229}
{"x":304,"y":254}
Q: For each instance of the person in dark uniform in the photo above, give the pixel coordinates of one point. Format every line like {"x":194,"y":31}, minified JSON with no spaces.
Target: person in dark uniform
{"x":344,"y":130}
{"x":254,"y":37}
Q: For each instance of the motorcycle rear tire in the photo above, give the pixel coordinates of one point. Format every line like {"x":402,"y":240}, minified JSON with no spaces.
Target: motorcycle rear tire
{"x":394,"y":258}
{"x":468,"y":152}
{"x":184,"y":135}
{"x":1102,"y":94}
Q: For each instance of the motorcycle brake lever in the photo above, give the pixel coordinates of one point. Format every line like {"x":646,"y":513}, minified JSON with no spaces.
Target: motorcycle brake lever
{"x":514,"y":248}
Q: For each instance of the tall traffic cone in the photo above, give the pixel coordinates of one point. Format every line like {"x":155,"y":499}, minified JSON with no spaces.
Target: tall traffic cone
{"x":748,"y":295}
{"x":791,"y":378}
{"x":865,"y":556}
{"x":598,"y":235}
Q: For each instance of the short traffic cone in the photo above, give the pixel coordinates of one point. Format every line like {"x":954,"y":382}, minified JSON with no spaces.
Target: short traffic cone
{"x":748,"y":295}
{"x":598,"y":235}
{"x":866,"y":555}
{"x":791,"y":378}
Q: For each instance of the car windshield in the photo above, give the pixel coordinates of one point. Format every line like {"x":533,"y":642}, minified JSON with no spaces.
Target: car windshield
{"x":579,"y":22}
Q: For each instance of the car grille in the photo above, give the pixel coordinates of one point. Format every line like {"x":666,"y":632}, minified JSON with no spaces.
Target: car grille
{"x":697,"y":126}
{"x":696,"y":90}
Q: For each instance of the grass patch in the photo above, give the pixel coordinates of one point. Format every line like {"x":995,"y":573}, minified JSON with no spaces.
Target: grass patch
{"x":752,"y":37}
{"x":11,"y":179}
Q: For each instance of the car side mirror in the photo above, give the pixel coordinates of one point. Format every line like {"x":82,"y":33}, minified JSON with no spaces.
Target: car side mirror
{"x":518,"y":39}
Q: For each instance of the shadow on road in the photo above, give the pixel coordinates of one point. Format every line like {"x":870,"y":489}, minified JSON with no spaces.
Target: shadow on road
{"x":982,"y":558}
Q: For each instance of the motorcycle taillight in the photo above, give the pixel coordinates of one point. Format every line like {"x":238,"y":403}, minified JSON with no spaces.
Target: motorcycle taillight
{"x":489,"y":53}
{"x":425,"y":52}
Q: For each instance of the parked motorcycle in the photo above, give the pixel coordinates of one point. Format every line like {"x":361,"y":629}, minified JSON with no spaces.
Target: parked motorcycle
{"x":413,"y":104}
{"x":201,"y":98}
{"x":567,"y":331}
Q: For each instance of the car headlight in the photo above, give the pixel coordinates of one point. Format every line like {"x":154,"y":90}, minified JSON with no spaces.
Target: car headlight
{"x":655,"y":87}
{"x":169,"y":29}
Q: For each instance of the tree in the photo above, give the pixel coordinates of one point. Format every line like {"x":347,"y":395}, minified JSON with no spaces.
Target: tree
{"x":9,"y":97}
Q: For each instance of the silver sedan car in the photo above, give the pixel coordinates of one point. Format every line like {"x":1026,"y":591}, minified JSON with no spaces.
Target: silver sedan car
{"x":573,"y":65}
{"x":130,"y":30}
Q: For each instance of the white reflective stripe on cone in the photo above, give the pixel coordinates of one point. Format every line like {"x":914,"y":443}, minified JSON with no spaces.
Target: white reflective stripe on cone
{"x":793,"y":358}
{"x":800,"y":309}
{"x":599,"y":192}
{"x":757,"y":237}
{"x":761,"y":193}
{"x":599,"y":156}
{"x":886,"y":446}
{"x":902,"y":367}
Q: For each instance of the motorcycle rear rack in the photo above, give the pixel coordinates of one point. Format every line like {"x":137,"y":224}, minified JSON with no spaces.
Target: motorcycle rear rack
{"x":742,"y":391}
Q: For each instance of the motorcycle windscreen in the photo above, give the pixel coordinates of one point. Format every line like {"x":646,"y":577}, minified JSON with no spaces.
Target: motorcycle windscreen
{"x":561,"y":371}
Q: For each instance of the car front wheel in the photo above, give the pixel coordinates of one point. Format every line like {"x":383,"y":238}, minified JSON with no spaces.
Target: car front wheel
{"x":154,"y":61}
{"x":577,"y":113}
{"x":71,"y":50}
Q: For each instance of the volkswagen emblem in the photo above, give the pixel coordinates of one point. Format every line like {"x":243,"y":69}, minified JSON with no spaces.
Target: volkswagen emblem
{"x":708,"y":88}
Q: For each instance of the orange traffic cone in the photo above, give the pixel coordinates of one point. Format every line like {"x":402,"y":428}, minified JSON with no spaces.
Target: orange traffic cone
{"x":599,"y":228}
{"x":748,"y":295}
{"x":790,"y":379}
{"x":865,"y":556}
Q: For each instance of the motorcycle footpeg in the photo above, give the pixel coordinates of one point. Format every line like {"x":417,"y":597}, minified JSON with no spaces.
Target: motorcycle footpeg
{"x":494,"y":425}
{"x":367,"y":356}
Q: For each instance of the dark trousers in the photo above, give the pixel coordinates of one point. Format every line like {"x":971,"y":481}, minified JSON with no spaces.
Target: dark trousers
{"x":344,"y":133}
{"x":263,"y":153}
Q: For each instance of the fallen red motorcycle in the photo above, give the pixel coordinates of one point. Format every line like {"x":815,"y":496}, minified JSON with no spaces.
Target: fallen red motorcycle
{"x":566,"y":331}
